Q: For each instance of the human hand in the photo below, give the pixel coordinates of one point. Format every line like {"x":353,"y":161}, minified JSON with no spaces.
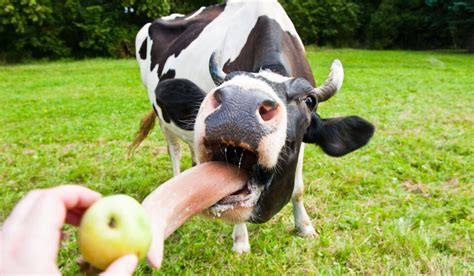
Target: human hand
{"x":30,"y":236}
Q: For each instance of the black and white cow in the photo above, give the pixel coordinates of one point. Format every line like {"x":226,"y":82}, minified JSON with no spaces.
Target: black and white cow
{"x":233,"y":82}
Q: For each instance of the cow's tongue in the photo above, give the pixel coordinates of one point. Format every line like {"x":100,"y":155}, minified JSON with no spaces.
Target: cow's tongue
{"x":196,"y":189}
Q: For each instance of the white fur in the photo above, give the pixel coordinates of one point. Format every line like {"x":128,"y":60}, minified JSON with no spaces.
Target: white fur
{"x":172,"y":16}
{"x":240,"y":237}
{"x":200,"y":129}
{"x":195,"y":14}
{"x":302,"y":221}
{"x":174,"y":150}
{"x":152,"y":83}
{"x":271,"y":76}
{"x":299,"y":184}
{"x":144,"y":64}
{"x":271,"y":145}
{"x":186,"y":135}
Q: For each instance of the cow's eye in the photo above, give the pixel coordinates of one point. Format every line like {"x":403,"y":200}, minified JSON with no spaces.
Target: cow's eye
{"x":310,"y":101}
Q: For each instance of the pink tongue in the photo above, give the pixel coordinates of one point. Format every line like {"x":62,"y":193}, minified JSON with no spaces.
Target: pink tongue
{"x":196,"y":189}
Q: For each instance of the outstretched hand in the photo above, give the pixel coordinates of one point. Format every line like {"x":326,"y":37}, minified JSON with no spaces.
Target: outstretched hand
{"x":30,"y":237}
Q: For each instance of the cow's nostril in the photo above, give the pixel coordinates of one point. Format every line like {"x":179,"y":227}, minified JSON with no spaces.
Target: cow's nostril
{"x":268,"y":110}
{"x":216,"y":99}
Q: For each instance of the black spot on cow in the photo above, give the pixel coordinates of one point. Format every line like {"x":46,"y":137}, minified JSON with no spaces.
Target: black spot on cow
{"x":268,"y":46}
{"x":170,"y":74}
{"x":165,"y":34}
{"x":179,"y":100}
{"x":143,"y":49}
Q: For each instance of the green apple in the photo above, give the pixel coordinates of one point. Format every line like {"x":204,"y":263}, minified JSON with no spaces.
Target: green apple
{"x":112,"y":227}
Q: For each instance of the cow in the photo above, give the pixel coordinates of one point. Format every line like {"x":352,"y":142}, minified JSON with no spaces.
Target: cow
{"x":232,"y":81}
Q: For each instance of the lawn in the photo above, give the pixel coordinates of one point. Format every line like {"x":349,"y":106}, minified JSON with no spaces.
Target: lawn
{"x":402,"y":204}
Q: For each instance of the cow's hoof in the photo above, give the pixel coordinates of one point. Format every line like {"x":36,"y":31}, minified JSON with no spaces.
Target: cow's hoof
{"x":307,"y":232}
{"x":241,"y":247}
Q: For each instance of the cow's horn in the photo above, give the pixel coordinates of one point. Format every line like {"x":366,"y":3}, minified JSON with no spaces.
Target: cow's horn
{"x":217,"y":74}
{"x":332,"y":84}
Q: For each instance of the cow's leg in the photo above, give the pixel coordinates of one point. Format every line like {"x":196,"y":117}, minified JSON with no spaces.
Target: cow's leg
{"x":193,"y":158}
{"x":240,"y":236}
{"x":302,"y":222}
{"x":174,"y":149}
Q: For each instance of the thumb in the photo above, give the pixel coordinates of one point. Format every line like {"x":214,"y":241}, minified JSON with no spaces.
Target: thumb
{"x":155,"y":254}
{"x":123,"y":266}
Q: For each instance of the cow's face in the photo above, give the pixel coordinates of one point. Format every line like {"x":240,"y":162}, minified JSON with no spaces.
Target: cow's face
{"x":257,"y":121}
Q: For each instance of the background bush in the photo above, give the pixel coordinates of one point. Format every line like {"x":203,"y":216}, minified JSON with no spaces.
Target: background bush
{"x":324,"y":22}
{"x":82,"y":28}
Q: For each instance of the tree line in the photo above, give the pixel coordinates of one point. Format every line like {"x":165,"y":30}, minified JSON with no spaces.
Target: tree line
{"x":88,"y":28}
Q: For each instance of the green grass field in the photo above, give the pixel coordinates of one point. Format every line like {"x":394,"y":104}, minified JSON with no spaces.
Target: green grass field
{"x":403,"y":204}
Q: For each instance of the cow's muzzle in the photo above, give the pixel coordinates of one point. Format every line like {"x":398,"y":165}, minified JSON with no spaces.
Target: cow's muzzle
{"x":236,"y":126}
{"x":240,"y":118}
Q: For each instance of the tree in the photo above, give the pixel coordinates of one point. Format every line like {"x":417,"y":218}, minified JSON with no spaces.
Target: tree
{"x":455,"y":17}
{"x":186,"y":6}
{"x":324,"y":22}
{"x":61,"y":28}
{"x":399,"y":24}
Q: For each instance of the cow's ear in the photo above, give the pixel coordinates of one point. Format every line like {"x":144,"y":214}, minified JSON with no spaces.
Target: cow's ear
{"x":179,"y":100}
{"x":339,"y":136}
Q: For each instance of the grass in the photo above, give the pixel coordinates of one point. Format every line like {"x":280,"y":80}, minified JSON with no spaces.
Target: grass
{"x":404,"y":204}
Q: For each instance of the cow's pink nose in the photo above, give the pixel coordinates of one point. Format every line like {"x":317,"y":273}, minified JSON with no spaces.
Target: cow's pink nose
{"x":268,"y":110}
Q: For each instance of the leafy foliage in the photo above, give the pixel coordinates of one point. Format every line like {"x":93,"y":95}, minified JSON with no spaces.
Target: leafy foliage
{"x":79,"y":28}
{"x":455,"y":19}
{"x":60,"y":28}
{"x":28,"y":26}
{"x":398,"y":23}
{"x":324,"y":22}
{"x":186,"y":6}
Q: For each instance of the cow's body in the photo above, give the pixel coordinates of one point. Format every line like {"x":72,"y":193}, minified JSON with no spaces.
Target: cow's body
{"x":250,"y":36}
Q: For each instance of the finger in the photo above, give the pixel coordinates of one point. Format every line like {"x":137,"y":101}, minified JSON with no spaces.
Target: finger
{"x":42,"y":228}
{"x":155,"y":254}
{"x":74,"y":196}
{"x":124,"y":266}
{"x":39,"y":217}
{"x":50,"y":209}
{"x":76,"y":200}
{"x":71,"y":196}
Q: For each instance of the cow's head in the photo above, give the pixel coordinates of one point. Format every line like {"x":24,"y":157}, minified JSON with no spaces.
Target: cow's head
{"x":257,"y":121}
